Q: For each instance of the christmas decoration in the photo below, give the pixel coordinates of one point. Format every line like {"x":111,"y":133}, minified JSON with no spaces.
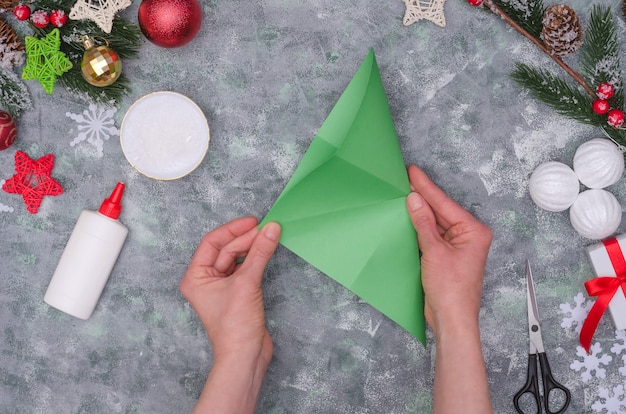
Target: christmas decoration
{"x":40,"y":18}
{"x":8,"y":130}
{"x":95,"y":125}
{"x":12,"y":52}
{"x":58,"y":18}
{"x":605,"y":90}
{"x":575,"y":315}
{"x":14,"y":94}
{"x":101,"y":12}
{"x":32,"y":180}
{"x":125,"y":38}
{"x":424,"y":9}
{"x":475,"y":2}
{"x":595,"y":214}
{"x":609,"y":286}
{"x":8,"y":4}
{"x":599,"y":60}
{"x":591,"y":363}
{"x":598,"y":163}
{"x":170,"y":23}
{"x":553,"y":186}
{"x":100,"y":66}
{"x":21,"y":12}
{"x":601,"y":106}
{"x":612,"y":404}
{"x":561,"y":33}
{"x":44,"y":61}
{"x":615,"y":118}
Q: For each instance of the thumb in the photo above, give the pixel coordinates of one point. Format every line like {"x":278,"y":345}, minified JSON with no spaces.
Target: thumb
{"x":261,"y":251}
{"x":423,"y":220}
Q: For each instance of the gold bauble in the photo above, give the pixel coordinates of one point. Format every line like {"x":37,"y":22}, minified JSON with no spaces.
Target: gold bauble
{"x":100,"y":66}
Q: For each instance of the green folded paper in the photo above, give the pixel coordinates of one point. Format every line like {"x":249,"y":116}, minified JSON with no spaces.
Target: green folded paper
{"x":344,"y":211}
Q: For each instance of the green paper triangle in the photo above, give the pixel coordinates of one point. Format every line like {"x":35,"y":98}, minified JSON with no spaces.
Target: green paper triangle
{"x":344,"y":211}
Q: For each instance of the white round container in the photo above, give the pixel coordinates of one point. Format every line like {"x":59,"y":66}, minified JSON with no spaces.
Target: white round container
{"x":164,"y":135}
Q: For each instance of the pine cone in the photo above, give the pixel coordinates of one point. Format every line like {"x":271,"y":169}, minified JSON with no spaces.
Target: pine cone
{"x":8,"y":4}
{"x":562,"y":32}
{"x":12,"y":50}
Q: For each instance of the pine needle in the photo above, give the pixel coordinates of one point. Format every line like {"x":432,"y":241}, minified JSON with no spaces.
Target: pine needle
{"x":528,"y":14}
{"x":599,"y":54}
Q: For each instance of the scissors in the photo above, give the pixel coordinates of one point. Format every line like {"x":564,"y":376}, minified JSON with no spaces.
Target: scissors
{"x":552,"y":390}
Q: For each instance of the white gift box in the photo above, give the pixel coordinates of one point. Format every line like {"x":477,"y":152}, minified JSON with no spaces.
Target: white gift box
{"x":602,"y":267}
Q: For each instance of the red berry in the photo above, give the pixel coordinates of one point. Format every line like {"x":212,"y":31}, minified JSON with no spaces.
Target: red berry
{"x":615,"y":118}
{"x":605,"y":90}
{"x":21,"y":12}
{"x":601,"y":106}
{"x":475,"y":2}
{"x":58,"y":18}
{"x":40,"y":18}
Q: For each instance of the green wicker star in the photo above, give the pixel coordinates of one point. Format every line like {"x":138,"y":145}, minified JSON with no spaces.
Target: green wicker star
{"x":44,"y":60}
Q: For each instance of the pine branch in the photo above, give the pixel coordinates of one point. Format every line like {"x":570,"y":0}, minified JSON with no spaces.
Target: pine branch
{"x":599,"y":54}
{"x":491,"y":5}
{"x":564,"y":98}
{"x":528,"y":14}
{"x":124,"y":39}
{"x":14,"y":96}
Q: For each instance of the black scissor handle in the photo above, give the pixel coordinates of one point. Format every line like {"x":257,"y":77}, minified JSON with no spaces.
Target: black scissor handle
{"x":550,"y":384}
{"x":531,"y":386}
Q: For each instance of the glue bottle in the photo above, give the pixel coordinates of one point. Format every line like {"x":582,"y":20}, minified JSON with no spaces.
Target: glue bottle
{"x":88,"y":258}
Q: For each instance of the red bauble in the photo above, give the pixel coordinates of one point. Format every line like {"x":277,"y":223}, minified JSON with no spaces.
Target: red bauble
{"x":58,"y":18}
{"x":615,"y":118}
{"x":21,"y":12}
{"x":8,"y":130}
{"x":40,"y":18}
{"x":605,"y":90}
{"x":475,"y":2}
{"x":601,"y":106}
{"x":170,"y":23}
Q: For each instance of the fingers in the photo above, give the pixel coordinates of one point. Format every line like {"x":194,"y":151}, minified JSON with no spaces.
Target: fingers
{"x":236,"y":249}
{"x":423,"y":220}
{"x":261,"y":251}
{"x":211,"y":244}
{"x":446,"y":211}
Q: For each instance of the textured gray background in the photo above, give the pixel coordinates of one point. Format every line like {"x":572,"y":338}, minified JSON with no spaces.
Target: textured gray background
{"x":266,"y":74}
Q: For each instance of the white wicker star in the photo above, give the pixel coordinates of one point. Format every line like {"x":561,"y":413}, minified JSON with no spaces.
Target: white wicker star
{"x":424,"y":9}
{"x":100,"y":12}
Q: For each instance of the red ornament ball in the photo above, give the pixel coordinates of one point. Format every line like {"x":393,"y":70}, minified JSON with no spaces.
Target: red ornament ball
{"x":615,"y":118}
{"x":475,"y":2}
{"x":170,"y":23}
{"x":58,"y":18}
{"x":605,"y":90}
{"x":601,"y":106}
{"x":40,"y":18}
{"x":21,"y":12}
{"x":8,"y":130}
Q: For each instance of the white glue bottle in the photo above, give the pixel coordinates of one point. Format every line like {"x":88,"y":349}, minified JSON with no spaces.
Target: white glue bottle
{"x":88,"y":258}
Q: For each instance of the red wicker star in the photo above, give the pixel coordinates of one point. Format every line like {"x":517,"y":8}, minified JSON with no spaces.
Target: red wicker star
{"x":32,"y":180}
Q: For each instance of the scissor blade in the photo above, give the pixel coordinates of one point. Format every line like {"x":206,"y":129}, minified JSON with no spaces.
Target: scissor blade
{"x":534,"y":329}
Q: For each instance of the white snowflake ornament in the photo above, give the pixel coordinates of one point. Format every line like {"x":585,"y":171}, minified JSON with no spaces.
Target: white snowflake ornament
{"x":617,"y":347}
{"x":622,"y":369}
{"x":591,"y":362}
{"x":424,"y":9}
{"x":575,"y":315}
{"x":101,"y":12}
{"x":95,"y":125}
{"x":611,"y":403}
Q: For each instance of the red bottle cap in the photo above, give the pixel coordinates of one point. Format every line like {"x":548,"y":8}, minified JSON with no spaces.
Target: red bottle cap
{"x":112,"y":206}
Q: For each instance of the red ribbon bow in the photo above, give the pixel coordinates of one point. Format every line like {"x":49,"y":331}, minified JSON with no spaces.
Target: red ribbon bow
{"x":604,"y":287}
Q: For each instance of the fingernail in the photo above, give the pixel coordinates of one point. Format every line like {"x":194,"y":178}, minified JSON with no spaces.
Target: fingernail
{"x":414,"y":201}
{"x":272,"y":231}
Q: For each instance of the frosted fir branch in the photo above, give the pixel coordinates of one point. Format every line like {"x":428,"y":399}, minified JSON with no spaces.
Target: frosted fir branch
{"x":497,"y":10}
{"x":599,"y":53}
{"x":14,"y":96}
